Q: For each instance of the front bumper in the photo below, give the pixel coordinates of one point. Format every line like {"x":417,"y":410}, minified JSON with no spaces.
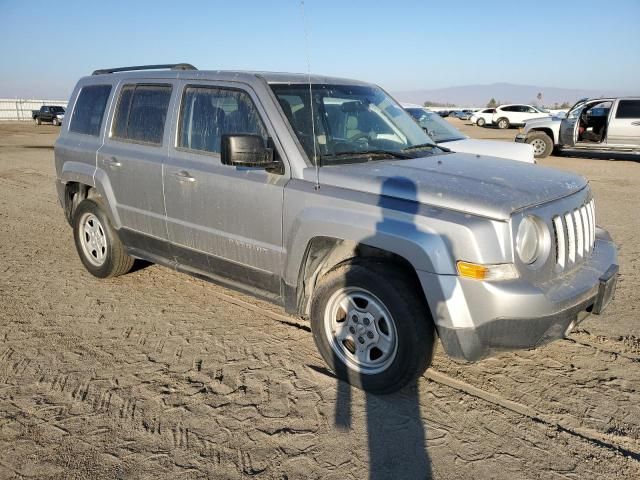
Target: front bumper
{"x":476,"y":319}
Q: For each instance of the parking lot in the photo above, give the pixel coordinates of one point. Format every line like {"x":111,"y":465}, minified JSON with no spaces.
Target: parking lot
{"x":156,"y":374}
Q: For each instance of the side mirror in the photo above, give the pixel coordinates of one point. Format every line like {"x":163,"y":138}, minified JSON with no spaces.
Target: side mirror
{"x":246,"y":150}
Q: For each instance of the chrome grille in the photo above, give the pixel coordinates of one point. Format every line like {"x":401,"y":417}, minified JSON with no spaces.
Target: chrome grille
{"x":575,"y":234}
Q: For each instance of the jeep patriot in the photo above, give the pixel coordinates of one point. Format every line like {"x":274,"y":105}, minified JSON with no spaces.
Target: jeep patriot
{"x":323,"y":195}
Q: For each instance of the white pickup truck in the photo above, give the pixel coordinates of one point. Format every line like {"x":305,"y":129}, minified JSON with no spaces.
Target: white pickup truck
{"x":599,"y":124}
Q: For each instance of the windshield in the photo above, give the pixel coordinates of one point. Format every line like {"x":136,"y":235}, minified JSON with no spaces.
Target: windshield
{"x":437,"y":128}
{"x":351,"y":123}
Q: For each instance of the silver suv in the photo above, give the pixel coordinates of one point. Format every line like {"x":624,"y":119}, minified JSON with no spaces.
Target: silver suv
{"x":323,"y":195}
{"x":594,"y":125}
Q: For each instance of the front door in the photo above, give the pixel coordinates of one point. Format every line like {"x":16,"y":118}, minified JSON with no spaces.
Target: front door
{"x":223,"y":220}
{"x":624,"y":126}
{"x":569,"y":129}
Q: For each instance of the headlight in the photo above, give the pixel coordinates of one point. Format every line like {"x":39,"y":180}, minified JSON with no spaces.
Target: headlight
{"x":528,"y":240}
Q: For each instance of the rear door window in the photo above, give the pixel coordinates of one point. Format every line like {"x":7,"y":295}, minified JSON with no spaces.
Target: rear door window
{"x":89,"y":109}
{"x":208,"y":113}
{"x":141,"y":113}
{"x":628,"y":109}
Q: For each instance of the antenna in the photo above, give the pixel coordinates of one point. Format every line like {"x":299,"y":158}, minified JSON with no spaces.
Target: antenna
{"x":313,"y":123}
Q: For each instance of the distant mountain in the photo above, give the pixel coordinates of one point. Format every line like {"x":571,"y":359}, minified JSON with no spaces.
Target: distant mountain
{"x":479,"y":95}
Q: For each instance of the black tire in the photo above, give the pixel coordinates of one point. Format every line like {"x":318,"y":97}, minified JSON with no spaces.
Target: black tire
{"x":480,"y":122}
{"x":503,"y":123}
{"x":55,"y":122}
{"x":536,"y":140}
{"x":116,"y":261}
{"x":410,"y":314}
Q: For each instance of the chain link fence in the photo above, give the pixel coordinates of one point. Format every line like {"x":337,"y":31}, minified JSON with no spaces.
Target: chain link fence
{"x":15,"y":109}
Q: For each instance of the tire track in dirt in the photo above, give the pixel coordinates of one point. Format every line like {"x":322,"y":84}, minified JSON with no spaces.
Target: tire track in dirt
{"x":626,"y":444}
{"x":137,"y":413}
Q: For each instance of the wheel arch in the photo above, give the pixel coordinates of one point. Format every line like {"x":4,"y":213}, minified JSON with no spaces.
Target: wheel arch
{"x":546,"y":130}
{"x":82,"y":181}
{"x":322,"y":254}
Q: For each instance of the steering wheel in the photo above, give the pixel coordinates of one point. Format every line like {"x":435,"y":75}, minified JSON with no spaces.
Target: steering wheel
{"x":584,"y":116}
{"x":359,"y":136}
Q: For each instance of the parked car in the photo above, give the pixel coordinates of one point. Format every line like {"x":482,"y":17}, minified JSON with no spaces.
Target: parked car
{"x":464,"y":114}
{"x":599,"y":124}
{"x":48,"y":113}
{"x":323,"y":195}
{"x":507,"y":116}
{"x":483,"y":117}
{"x":445,"y":134}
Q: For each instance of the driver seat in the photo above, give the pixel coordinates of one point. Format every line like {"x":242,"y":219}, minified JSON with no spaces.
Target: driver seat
{"x":351,"y":127}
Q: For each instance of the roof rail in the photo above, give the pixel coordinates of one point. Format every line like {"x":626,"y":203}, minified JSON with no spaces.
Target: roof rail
{"x":170,"y":66}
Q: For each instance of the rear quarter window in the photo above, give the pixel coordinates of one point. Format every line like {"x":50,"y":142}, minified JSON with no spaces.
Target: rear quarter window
{"x":628,"y":109}
{"x":89,"y":109}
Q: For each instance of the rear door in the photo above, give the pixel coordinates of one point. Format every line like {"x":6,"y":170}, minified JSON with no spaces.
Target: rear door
{"x":624,"y":126}
{"x":515,"y":114}
{"x":132,"y":157}
{"x":511,"y":112}
{"x":224,"y":220}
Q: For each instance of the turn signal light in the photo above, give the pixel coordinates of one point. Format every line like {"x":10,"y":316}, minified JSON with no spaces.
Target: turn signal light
{"x":502,"y":271}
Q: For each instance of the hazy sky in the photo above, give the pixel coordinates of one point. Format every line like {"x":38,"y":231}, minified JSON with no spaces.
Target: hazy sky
{"x":402,"y":45}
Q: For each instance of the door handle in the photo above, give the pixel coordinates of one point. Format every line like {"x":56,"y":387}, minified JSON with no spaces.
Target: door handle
{"x":113,"y":162}
{"x":636,"y":124}
{"x":184,"y":176}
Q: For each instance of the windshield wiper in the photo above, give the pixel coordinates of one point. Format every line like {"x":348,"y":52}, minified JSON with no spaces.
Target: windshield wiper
{"x":425,"y":145}
{"x":391,"y":153}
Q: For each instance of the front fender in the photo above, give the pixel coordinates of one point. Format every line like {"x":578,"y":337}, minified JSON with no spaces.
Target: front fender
{"x":423,"y":249}
{"x":430,"y":238}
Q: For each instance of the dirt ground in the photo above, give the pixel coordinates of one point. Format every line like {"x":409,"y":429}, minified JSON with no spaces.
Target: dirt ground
{"x":159,"y":375}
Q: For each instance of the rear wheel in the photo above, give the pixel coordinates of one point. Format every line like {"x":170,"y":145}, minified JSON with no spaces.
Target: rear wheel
{"x":38,"y":121}
{"x":541,"y":143}
{"x":100,"y":250}
{"x":503,"y":123}
{"x":371,"y":327}
{"x":480,"y":122}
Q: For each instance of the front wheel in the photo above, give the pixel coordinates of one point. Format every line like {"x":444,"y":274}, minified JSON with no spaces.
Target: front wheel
{"x":371,"y":326}
{"x":503,"y":123}
{"x":481,"y":121}
{"x":55,"y":122}
{"x":541,"y":143}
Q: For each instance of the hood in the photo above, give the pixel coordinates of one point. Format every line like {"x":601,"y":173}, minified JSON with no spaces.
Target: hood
{"x":521,"y":152}
{"x":543,"y":121}
{"x":486,"y":186}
